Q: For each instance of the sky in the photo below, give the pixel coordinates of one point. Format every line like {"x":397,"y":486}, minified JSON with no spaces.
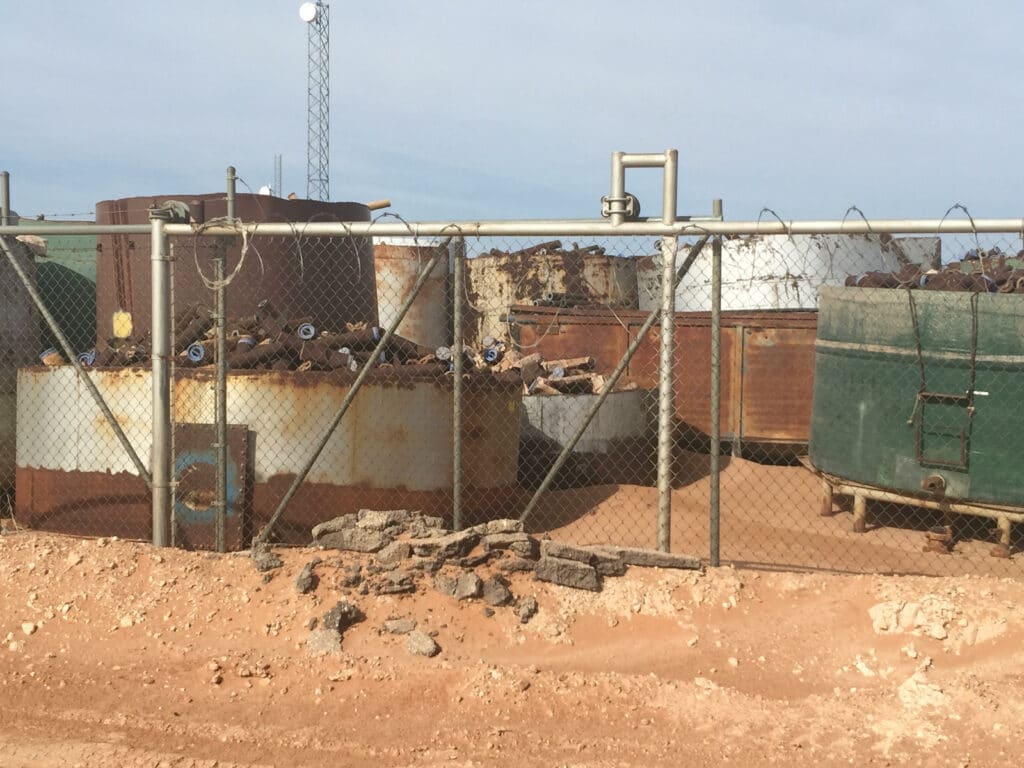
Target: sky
{"x":477,"y":109}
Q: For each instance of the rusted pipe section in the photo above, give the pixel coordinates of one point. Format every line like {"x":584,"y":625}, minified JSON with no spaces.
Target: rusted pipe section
{"x":72,"y":357}
{"x":368,"y":365}
{"x":638,"y":339}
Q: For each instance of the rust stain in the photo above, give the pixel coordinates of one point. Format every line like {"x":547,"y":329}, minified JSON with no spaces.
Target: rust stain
{"x":767,"y":373}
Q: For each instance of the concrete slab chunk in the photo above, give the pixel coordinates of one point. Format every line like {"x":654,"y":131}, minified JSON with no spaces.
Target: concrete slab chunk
{"x":378,"y":520}
{"x":566,"y":552}
{"x":567,"y":573}
{"x":354,"y":540}
{"x":331,"y":526}
{"x":449,"y":546}
{"x":649,"y":558}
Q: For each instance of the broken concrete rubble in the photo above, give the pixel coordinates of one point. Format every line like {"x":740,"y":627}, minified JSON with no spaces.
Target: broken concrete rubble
{"x":567,"y":573}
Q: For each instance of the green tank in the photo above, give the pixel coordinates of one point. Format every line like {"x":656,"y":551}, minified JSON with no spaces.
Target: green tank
{"x":920,"y":392}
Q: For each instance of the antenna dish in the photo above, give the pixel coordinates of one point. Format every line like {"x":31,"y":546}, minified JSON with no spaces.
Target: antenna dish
{"x":307,"y":12}
{"x":266,"y":190}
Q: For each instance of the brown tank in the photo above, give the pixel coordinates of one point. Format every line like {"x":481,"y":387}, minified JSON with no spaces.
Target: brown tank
{"x":330,"y":281}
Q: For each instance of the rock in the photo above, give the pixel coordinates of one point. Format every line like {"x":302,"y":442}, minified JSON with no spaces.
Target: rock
{"x":472,"y":561}
{"x":354,"y":540}
{"x":428,"y":564}
{"x":322,"y":642}
{"x":567,"y":573}
{"x":28,"y":627}
{"x":496,"y":591}
{"x":353,"y":576}
{"x":264,"y":559}
{"x":521,"y":544}
{"x":342,"y":616}
{"x":649,"y":558}
{"x":74,"y":558}
{"x":488,"y":612}
{"x":395,"y":589}
{"x":307,"y":580}
{"x":450,"y":546}
{"x":394,"y":552}
{"x":509,"y":525}
{"x":420,"y":527}
{"x":331,"y":526}
{"x":378,"y":520}
{"x":526,"y":609}
{"x":445,"y":584}
{"x":566,"y":552}
{"x":399,"y":626}
{"x":422,"y":644}
{"x":468,"y":586}
{"x":607,"y":563}
{"x":517,"y":565}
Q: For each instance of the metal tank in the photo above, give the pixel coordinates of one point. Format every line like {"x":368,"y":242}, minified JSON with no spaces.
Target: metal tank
{"x":918,"y":391}
{"x":764,"y":272}
{"x":397,"y":263}
{"x":393,"y":448}
{"x":329,"y":280}
{"x":584,"y":277}
{"x":19,"y":345}
{"x":767,"y":361}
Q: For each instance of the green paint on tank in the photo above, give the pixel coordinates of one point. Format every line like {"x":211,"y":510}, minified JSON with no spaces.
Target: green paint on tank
{"x":912,"y":384}
{"x":66,"y":278}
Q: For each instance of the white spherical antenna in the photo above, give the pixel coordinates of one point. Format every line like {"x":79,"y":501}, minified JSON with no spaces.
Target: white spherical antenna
{"x":307,"y":12}
{"x":266,"y":190}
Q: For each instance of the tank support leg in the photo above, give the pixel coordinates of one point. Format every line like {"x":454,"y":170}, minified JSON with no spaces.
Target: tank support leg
{"x":1002,"y":549}
{"x":860,"y":513}
{"x":826,"y":498}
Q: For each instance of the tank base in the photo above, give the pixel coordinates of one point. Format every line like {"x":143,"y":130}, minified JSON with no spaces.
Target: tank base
{"x":102,"y":504}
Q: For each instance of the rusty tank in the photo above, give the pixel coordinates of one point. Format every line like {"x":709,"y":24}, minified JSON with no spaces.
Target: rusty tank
{"x":328,"y":280}
{"x":397,"y":262}
{"x":392,"y":450}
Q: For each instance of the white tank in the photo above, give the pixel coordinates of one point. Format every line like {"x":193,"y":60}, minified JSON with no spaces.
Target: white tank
{"x":762,"y":272}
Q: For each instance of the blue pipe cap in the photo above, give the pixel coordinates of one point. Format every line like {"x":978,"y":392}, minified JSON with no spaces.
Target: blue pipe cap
{"x":306,"y":331}
{"x":196,"y":352}
{"x":87,"y":358}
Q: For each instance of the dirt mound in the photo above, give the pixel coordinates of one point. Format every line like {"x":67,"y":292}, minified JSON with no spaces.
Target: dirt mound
{"x":118,"y":654}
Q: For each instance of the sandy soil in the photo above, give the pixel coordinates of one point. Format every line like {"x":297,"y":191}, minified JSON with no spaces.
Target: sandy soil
{"x":770,"y":517}
{"x":118,"y":654}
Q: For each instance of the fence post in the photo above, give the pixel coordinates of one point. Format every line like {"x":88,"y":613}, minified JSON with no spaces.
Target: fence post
{"x":458,"y":278}
{"x":5,"y":198}
{"x":666,"y":388}
{"x":161,"y":459}
{"x":221,"y":386}
{"x":716,"y":387}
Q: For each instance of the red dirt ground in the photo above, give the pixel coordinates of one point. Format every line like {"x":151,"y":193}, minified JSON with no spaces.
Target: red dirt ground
{"x":115,"y":653}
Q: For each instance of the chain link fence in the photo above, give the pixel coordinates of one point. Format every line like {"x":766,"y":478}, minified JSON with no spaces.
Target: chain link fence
{"x":866,"y":415}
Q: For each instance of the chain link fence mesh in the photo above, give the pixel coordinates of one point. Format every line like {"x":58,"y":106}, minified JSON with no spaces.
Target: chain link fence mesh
{"x":867,"y":390}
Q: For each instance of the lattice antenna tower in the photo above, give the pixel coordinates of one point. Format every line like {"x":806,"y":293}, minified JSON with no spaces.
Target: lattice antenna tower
{"x":318,"y":108}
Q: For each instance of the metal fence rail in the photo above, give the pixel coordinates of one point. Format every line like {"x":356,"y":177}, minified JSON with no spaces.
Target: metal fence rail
{"x":819,"y":394}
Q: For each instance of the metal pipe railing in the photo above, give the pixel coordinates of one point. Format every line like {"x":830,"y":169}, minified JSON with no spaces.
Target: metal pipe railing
{"x":714,"y":470}
{"x":458,"y":287}
{"x":666,"y":353}
{"x":162,"y":458}
{"x":683,"y":227}
{"x":221,"y":387}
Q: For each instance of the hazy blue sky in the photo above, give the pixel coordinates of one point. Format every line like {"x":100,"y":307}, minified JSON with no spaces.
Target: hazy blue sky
{"x":471,"y":109}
